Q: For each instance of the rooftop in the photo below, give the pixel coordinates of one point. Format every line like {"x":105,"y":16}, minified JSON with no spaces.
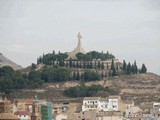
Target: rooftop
{"x":21,"y":113}
{"x":91,"y":98}
{"x":8,"y":116}
{"x":128,"y":101}
{"x":103,"y":99}
{"x":29,"y":101}
{"x":114,"y":97}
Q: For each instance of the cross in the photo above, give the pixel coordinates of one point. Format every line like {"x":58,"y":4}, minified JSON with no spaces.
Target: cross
{"x":79,"y":36}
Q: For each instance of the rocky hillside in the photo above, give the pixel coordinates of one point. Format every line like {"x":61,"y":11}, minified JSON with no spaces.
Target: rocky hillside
{"x":140,"y":88}
{"x":6,"y":62}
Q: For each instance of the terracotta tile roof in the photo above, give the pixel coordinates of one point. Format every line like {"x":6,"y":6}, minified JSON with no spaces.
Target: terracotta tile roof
{"x":8,"y":116}
{"x":21,"y":113}
{"x":29,"y":101}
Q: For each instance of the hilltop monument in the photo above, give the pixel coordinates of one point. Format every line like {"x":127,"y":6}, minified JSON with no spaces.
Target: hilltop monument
{"x":78,"y":49}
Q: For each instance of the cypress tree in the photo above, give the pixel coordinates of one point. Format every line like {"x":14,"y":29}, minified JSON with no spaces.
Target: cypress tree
{"x":143,"y":69}
{"x":124,"y":67}
{"x":112,"y":65}
{"x":70,"y":63}
{"x":135,"y":68}
{"x":77,"y":64}
{"x":129,"y":69}
{"x":95,"y":64}
{"x":78,"y":76}
{"x":74,"y":75}
{"x":84,"y":64}
{"x":91,"y":65}
{"x":99,"y":65}
{"x":114,"y":73}
{"x":102,"y":67}
{"x":80,"y":65}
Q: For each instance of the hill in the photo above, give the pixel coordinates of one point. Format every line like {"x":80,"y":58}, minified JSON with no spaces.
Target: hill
{"x":139,"y":87}
{"x":7,"y":62}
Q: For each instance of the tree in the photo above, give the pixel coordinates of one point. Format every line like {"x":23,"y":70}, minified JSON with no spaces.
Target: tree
{"x":99,"y":65}
{"x":6,"y":71}
{"x":6,"y":85}
{"x":61,"y":62}
{"x":112,"y":65}
{"x":84,"y":64}
{"x":77,"y":64}
{"x":143,"y":69}
{"x":70,"y":62}
{"x":80,"y":56}
{"x":113,"y":69}
{"x":114,"y":73}
{"x":55,"y":74}
{"x":102,"y":67}
{"x":91,"y":65}
{"x":88,"y":75}
{"x":34,"y":78}
{"x":124,"y":68}
{"x":74,"y":75}
{"x":78,"y":76}
{"x":33,"y":66}
{"x":129,"y":69}
{"x":134,"y":68}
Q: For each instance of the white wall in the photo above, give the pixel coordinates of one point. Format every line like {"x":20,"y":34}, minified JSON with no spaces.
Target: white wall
{"x":23,"y":117}
{"x":61,"y":117}
{"x":113,"y":104}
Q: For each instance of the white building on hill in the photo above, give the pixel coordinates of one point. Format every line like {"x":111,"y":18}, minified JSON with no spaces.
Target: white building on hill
{"x":90,"y":103}
{"x":113,"y":103}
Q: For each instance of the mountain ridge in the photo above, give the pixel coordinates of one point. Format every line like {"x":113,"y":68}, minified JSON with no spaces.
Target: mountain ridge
{"x":4,"y":61}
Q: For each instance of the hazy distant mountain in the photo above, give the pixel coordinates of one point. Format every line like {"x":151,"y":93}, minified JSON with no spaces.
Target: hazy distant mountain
{"x":6,"y":62}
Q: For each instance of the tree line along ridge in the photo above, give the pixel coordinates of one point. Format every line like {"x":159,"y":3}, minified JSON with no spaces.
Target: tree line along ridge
{"x":59,"y":68}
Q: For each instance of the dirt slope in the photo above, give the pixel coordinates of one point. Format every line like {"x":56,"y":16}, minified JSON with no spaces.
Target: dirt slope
{"x":141,"y":88}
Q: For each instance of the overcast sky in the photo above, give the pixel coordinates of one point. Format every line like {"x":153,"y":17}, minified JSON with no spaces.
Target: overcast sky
{"x":129,"y":29}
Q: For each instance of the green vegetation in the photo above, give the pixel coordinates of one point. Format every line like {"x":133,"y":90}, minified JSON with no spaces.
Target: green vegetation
{"x":94,"y":55}
{"x":129,"y":69}
{"x":55,"y":74}
{"x":52,"y":58}
{"x":87,"y":91}
{"x":143,"y":69}
{"x":87,"y":67}
{"x":10,"y":79}
{"x":90,"y":75}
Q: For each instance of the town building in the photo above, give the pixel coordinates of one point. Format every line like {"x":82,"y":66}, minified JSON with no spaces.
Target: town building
{"x":28,"y":104}
{"x":90,"y":103}
{"x":113,"y":103}
{"x":36,"y":111}
{"x":6,"y":110}
{"x":103,"y":104}
{"x":156,"y":108}
{"x":46,"y":111}
{"x":23,"y":115}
